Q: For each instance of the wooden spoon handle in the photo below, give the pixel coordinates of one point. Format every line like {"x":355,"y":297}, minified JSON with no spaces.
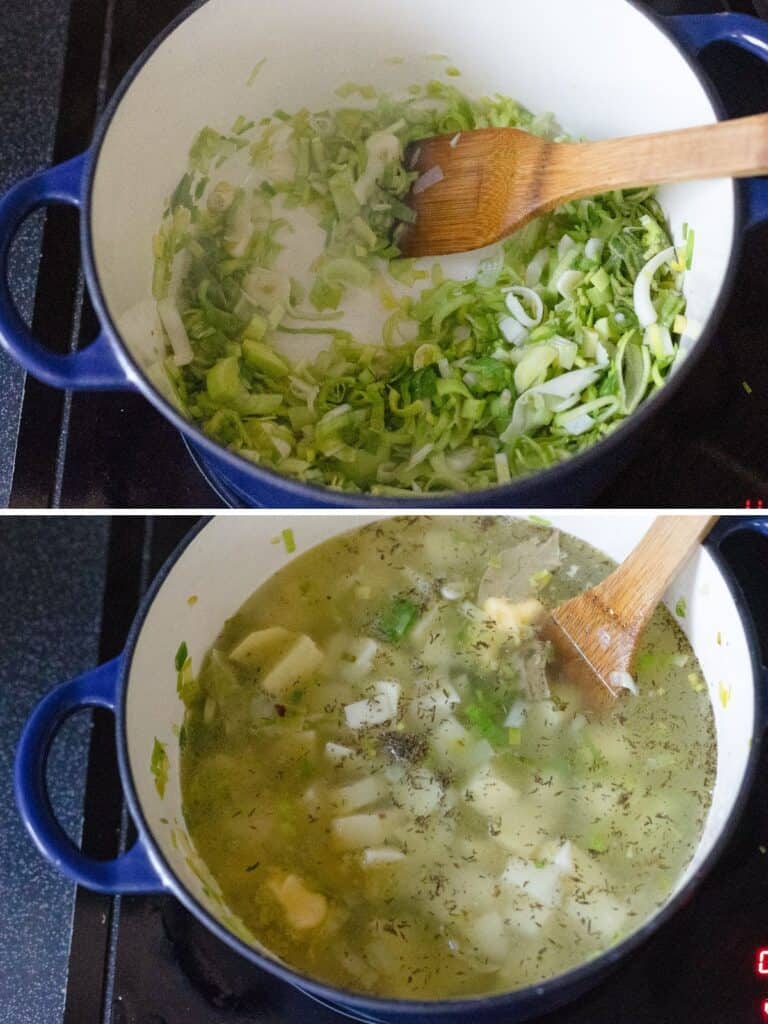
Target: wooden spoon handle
{"x":730,"y":149}
{"x":634,"y":590}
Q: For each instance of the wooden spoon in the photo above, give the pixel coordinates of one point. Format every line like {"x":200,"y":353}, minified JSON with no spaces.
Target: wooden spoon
{"x":494,"y":180}
{"x":597,"y":634}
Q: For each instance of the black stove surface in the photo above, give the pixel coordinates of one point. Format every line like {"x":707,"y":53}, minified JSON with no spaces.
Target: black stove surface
{"x":115,"y":450}
{"x":146,"y":960}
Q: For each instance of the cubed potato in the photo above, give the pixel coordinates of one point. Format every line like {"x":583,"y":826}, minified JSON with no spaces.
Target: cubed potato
{"x":378,"y":856}
{"x":356,"y":831}
{"x":433,"y":706}
{"x":542,"y":885}
{"x":375,"y":710}
{"x":356,"y":795}
{"x":456,"y":749}
{"x":511,"y":616}
{"x":362,"y":651}
{"x":262,"y":645}
{"x":303,"y":908}
{"x":488,"y":936}
{"x":299,"y":663}
{"x":419,"y":792}
{"x":490,"y":795}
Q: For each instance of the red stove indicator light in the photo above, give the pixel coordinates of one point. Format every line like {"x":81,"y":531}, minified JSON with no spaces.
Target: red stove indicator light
{"x":761,"y":964}
{"x":764,"y":1008}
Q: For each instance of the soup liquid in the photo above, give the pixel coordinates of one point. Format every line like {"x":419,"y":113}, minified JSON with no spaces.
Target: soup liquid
{"x":482,"y":837}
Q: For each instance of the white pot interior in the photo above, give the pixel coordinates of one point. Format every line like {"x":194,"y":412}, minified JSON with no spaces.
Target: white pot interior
{"x":634,"y":81}
{"x":232,"y":556}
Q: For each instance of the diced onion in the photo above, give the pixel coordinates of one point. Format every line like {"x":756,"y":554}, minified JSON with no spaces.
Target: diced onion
{"x":644,"y":307}
{"x":516,"y":308}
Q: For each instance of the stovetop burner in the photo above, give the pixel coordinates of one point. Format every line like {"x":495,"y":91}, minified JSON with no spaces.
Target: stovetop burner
{"x":146,"y":960}
{"x":116,"y":451}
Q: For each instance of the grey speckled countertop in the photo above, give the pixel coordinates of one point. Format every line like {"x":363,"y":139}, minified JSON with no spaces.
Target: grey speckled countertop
{"x":29,"y":95}
{"x":51,"y":583}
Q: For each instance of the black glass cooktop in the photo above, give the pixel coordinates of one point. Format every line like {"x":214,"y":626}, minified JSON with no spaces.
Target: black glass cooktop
{"x":115,"y":450}
{"x":145,"y":960}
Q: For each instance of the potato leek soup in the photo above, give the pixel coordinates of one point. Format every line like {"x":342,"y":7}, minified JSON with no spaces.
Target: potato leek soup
{"x":394,"y":791}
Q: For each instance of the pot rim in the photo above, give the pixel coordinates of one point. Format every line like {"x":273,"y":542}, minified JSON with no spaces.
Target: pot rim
{"x":320,"y":495}
{"x":575,"y":978}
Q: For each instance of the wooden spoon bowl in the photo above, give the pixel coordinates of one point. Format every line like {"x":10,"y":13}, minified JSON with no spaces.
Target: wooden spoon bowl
{"x":494,"y":180}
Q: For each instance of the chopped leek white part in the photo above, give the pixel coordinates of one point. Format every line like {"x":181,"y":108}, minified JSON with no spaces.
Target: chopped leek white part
{"x":516,"y":308}
{"x":565,"y":245}
{"x":567,"y":351}
{"x":536,"y":267}
{"x":455,"y":140}
{"x":176,"y":331}
{"x":541,"y":402}
{"x":534,"y":366}
{"x":503,"y":474}
{"x":576,"y":423}
{"x":594,"y":248}
{"x":429,"y":179}
{"x":568,"y":282}
{"x":659,"y":341}
{"x":267,"y":289}
{"x":383,"y":148}
{"x":644,"y":307}
{"x":512,"y":330}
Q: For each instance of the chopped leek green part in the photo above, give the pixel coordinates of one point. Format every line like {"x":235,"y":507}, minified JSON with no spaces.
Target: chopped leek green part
{"x":681,"y":608}
{"x":159,"y":767}
{"x":442,"y":401}
{"x":289,"y":541}
{"x":396,"y":621}
{"x":181,"y":656}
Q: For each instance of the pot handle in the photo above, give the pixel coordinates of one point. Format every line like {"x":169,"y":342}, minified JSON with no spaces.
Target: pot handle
{"x":695,"y":33}
{"x":133,"y":871}
{"x":97,"y":366}
{"x":726,"y":527}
